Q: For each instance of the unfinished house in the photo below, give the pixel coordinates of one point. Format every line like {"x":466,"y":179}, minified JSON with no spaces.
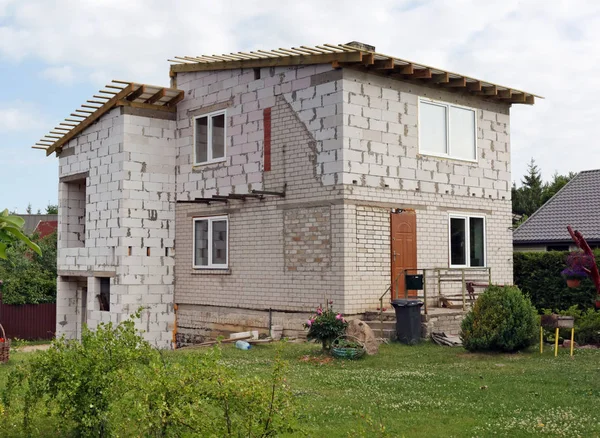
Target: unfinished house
{"x":261,"y":184}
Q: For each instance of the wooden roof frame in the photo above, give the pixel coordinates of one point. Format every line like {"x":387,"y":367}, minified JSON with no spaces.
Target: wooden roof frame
{"x":358,"y":56}
{"x":154,"y":97}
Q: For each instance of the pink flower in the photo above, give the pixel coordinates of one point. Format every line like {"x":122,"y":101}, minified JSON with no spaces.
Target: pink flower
{"x":344,"y":320}
{"x":339,"y":316}
{"x":330,"y":301}
{"x":309,"y":322}
{"x":319,"y":311}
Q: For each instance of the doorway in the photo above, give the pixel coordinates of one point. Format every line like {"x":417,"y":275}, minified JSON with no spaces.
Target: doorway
{"x":403,"y":230}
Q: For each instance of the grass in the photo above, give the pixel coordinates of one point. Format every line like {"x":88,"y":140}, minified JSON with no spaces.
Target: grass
{"x":427,"y":390}
{"x":430,"y":391}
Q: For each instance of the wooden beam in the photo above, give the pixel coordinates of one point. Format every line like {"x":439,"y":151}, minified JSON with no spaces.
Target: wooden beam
{"x":423,"y":73}
{"x":368,"y":59}
{"x":384,"y":64}
{"x":91,"y":119}
{"x":491,"y":90}
{"x":336,"y":65}
{"x":125,"y":102}
{"x":96,"y":101}
{"x":175,"y":100}
{"x":156,"y":96}
{"x":324,"y":58}
{"x":442,"y":78}
{"x":62,"y":129}
{"x":505,"y":94}
{"x":529,"y":99}
{"x":474,"y":86}
{"x":137,"y":93}
{"x":89,"y":106}
{"x":407,"y":69}
{"x":72,"y":125}
{"x":52,"y":136}
{"x":78,"y":115}
{"x":456,"y":83}
{"x":518,"y":98}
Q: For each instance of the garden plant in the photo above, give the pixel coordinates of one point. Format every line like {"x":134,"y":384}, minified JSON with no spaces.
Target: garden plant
{"x":325,"y":326}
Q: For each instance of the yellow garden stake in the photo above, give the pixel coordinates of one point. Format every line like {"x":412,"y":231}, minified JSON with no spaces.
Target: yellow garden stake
{"x":541,"y":339}
{"x":572,"y":339}
{"x":556,"y":343}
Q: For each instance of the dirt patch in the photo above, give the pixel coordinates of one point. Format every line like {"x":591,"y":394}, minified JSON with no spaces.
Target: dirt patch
{"x":30,"y":348}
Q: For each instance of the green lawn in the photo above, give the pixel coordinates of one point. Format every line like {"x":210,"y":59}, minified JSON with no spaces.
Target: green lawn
{"x":430,"y":391}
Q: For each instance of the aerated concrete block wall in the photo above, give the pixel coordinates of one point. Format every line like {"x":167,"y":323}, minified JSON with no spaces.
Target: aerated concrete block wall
{"x":127,"y":160}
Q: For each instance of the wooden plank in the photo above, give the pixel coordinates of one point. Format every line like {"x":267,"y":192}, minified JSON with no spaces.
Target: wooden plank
{"x":156,"y":96}
{"x":175,"y":100}
{"x":491,"y":90}
{"x":384,"y":64}
{"x":505,"y":94}
{"x":518,"y":98}
{"x":474,"y":86}
{"x":91,"y":119}
{"x":456,"y":83}
{"x":368,"y":59}
{"x":442,"y":78}
{"x":407,"y":69}
{"x":423,"y":73}
{"x":530,"y":99}
{"x":272,"y":62}
{"x":137,"y":93}
{"x":124,"y":102}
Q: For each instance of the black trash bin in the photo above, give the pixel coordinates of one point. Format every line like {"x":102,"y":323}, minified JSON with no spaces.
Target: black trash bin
{"x":408,"y":320}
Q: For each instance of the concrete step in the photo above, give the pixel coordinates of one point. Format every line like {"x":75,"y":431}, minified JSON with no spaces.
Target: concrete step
{"x":373,"y":315}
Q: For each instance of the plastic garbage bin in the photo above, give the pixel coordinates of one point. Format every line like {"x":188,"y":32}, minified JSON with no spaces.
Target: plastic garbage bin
{"x":408,"y":320}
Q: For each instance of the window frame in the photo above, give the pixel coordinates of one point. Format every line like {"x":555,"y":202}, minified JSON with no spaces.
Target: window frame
{"x":210,"y":220}
{"x":448,"y":106}
{"x":467,"y":217}
{"x":209,"y":148}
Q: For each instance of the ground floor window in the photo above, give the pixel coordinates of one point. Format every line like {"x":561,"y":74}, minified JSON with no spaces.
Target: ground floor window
{"x":467,"y":241}
{"x":211,"y":242}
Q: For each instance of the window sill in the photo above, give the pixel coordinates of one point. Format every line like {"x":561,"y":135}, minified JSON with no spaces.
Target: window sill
{"x":206,"y":163}
{"x":447,"y":157}
{"x":210,"y":271}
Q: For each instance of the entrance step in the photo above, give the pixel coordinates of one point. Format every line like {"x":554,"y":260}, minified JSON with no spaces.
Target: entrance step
{"x":383,"y":329}
{"x":373,"y":315}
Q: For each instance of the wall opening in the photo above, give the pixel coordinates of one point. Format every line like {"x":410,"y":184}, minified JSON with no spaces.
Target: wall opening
{"x":104,"y":295}
{"x":73,"y":214}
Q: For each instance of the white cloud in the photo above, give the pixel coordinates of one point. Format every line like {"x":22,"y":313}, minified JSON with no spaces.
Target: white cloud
{"x":20,"y":116}
{"x":544,"y":46}
{"x":62,"y":75}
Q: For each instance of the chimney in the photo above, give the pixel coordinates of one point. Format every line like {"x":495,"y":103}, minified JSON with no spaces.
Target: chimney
{"x":361,"y":46}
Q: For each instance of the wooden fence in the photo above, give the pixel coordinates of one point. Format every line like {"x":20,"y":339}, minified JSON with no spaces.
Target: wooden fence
{"x":29,"y":321}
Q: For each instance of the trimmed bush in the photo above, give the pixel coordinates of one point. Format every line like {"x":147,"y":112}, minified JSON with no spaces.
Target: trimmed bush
{"x":538,"y":275}
{"x":503,"y":319}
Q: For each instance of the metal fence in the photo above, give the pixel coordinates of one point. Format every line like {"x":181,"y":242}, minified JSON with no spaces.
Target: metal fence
{"x":29,"y":321}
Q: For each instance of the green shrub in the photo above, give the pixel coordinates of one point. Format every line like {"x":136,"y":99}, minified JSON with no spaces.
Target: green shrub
{"x":113,"y":383}
{"x":538,"y":275}
{"x":502,"y":319}
{"x":325,"y":326}
{"x":587,"y":325}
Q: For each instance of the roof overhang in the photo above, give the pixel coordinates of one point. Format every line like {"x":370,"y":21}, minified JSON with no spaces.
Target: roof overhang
{"x":344,"y":55}
{"x":118,"y":93}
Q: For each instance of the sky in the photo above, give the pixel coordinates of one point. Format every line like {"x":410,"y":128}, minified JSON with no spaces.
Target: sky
{"x":56,"y":54}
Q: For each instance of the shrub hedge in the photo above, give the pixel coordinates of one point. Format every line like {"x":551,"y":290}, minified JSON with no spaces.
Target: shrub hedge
{"x":538,"y":275}
{"x":502,"y":319}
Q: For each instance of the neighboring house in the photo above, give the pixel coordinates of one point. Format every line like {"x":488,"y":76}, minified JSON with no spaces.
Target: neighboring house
{"x":42,"y":224}
{"x":576,"y":204}
{"x":261,"y":184}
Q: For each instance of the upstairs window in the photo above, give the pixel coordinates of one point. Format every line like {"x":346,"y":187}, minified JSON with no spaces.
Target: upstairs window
{"x":209,"y":138}
{"x":467,"y":241}
{"x":447,"y":130}
{"x":210,"y":242}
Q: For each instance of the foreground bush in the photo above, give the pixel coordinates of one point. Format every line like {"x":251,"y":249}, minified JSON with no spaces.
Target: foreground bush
{"x":113,"y":383}
{"x":503,"y":319}
{"x":538,"y":274}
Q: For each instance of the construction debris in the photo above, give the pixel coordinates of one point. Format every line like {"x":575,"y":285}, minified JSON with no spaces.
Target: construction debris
{"x":441,"y":338}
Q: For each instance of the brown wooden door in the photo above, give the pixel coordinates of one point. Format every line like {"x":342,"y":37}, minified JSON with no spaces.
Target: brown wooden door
{"x":403,"y":228}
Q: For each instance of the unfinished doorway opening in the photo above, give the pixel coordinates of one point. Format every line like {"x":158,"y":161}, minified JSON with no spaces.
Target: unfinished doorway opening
{"x":72,"y":214}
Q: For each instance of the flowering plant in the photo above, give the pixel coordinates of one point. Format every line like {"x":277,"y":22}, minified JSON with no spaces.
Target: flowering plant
{"x":325,"y":325}
{"x":578,"y":265}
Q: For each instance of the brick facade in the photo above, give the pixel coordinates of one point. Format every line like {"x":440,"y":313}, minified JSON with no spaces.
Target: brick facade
{"x":342,"y":145}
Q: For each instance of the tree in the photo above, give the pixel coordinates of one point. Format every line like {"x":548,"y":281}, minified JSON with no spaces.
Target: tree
{"x":557,"y":183}
{"x":28,"y":210}
{"x":52,"y":209}
{"x":11,"y":231}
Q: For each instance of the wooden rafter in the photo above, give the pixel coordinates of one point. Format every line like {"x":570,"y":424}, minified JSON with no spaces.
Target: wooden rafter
{"x":156,"y":96}
{"x":384,"y":64}
{"x":175,"y":100}
{"x":137,"y":93}
{"x":423,"y":73}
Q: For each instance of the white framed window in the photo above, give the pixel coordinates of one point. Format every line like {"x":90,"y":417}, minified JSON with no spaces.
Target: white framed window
{"x":211,"y":242}
{"x":467,"y":241}
{"x":447,"y":130}
{"x":210,"y":138}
